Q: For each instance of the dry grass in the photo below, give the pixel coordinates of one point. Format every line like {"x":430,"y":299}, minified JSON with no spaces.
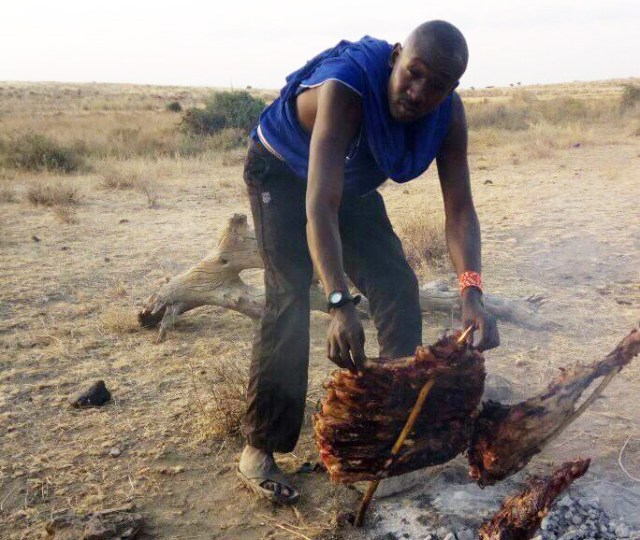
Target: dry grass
{"x":8,"y":194}
{"x":119,"y":320}
{"x":424,"y":243}
{"x":219,"y":383}
{"x":50,"y":194}
{"x":65,"y":214}
{"x":119,"y":179}
{"x":151,"y":193}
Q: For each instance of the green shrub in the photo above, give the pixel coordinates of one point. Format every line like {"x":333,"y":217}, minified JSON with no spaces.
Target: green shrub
{"x":630,"y":97}
{"x":239,"y":110}
{"x":33,"y":152}
{"x":174,"y":106}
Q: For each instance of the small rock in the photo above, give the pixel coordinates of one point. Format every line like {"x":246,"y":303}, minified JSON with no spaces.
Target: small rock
{"x":106,"y":524}
{"x":539,"y":537}
{"x":450,"y":536}
{"x":497,"y":388}
{"x":622,"y":531}
{"x":345,"y":518}
{"x":115,"y":452}
{"x":123,"y":220}
{"x":442,"y":532}
{"x":467,"y":534}
{"x":430,"y":537}
{"x":565,"y":501}
{"x":94,"y":396}
{"x":488,"y":182}
{"x":35,"y":238}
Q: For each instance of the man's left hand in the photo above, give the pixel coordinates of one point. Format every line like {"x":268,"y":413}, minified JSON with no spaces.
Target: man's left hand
{"x":473,"y":312}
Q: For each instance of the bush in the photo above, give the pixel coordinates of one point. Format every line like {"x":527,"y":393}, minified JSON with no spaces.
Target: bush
{"x":424,"y":243}
{"x":630,"y":97}
{"x":52,"y":195}
{"x":33,"y":152}
{"x":174,"y":106}
{"x":239,"y":110}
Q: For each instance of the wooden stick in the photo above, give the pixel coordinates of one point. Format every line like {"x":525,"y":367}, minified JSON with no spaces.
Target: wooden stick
{"x":465,"y":334}
{"x":413,"y":416}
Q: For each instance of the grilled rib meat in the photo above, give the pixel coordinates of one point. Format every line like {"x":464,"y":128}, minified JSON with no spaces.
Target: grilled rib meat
{"x":363,"y":414}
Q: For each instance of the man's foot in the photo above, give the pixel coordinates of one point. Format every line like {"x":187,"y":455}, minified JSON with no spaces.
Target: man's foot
{"x":259,"y":472}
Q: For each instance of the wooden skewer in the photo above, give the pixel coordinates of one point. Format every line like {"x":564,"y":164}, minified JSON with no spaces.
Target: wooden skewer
{"x":413,"y":416}
{"x":465,"y":334}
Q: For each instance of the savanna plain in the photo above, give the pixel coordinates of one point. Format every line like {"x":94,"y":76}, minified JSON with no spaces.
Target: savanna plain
{"x":105,"y":194}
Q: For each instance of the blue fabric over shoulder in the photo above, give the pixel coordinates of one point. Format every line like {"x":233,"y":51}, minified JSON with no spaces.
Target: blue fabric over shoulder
{"x":402,"y":151}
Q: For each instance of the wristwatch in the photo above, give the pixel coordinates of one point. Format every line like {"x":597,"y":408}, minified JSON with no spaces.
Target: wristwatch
{"x":339,"y":298}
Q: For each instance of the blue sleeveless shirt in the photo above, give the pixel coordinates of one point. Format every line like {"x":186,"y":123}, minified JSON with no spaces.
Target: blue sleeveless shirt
{"x":383,"y":148}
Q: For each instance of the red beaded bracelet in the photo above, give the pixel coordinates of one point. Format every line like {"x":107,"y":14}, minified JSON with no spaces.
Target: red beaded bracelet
{"x":470,"y":279}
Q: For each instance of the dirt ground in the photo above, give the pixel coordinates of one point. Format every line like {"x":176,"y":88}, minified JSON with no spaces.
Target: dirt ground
{"x":562,"y":224}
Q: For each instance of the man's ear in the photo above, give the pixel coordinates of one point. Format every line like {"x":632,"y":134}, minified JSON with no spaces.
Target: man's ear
{"x":395,"y":53}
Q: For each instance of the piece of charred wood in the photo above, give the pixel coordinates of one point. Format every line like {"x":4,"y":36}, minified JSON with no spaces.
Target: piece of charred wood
{"x":506,"y":437}
{"x":521,"y":515}
{"x":363,"y":414}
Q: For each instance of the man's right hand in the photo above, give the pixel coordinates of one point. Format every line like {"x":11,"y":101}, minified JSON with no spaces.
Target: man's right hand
{"x":345,"y":338}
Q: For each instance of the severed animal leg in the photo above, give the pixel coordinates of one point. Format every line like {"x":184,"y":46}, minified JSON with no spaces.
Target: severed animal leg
{"x":520,"y":515}
{"x":506,"y":437}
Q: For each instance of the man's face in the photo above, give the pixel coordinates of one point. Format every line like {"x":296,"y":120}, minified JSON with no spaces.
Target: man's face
{"x":415,"y":89}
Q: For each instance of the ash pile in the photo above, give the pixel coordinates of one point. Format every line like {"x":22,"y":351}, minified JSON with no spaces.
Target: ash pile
{"x":578,"y":518}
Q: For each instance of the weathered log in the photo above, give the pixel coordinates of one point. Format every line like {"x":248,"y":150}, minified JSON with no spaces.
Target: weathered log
{"x":216,"y":280}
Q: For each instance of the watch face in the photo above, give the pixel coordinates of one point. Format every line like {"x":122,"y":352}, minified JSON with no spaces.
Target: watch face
{"x":335,"y":297}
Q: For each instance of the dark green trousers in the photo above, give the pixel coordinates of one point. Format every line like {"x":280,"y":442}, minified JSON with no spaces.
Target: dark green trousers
{"x":373,"y":259}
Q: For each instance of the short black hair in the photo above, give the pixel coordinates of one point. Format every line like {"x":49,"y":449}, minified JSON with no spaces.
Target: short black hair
{"x":442,"y":46}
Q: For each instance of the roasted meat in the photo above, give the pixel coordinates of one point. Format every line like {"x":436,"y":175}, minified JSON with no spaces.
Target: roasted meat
{"x":363,"y":414}
{"x":506,"y":437}
{"x":520,"y":515}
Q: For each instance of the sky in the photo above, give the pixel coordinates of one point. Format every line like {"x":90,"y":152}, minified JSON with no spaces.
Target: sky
{"x":236,"y":43}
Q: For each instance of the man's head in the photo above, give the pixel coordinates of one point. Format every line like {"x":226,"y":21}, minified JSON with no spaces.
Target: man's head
{"x":425,"y":70}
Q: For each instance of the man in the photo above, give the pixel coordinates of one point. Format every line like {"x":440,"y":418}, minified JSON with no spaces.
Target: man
{"x":352,"y":117}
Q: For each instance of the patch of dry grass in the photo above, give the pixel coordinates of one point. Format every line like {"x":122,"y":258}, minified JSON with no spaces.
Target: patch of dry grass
{"x":219,"y":381}
{"x":8,"y":194}
{"x":151,"y":193}
{"x":424,"y":243}
{"x":50,"y":194}
{"x":119,"y":320}
{"x":65,"y":214}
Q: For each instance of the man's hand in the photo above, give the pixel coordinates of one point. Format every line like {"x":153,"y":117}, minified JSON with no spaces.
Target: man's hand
{"x":345,"y":338}
{"x":473,"y":312}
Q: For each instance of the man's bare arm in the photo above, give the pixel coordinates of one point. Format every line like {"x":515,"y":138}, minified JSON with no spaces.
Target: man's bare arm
{"x":333,"y":122}
{"x":462,"y":227}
